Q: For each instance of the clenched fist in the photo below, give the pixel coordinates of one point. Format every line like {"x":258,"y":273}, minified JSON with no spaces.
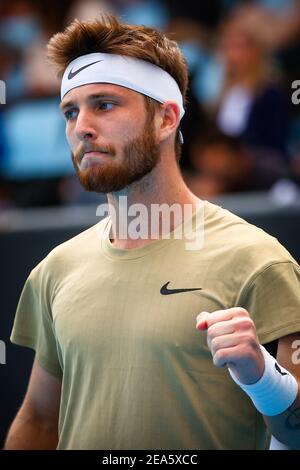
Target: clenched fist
{"x":233,"y":341}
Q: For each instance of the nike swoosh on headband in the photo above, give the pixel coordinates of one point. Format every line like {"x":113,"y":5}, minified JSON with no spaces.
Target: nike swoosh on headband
{"x":165,"y":291}
{"x":136,"y":74}
{"x":73,"y":74}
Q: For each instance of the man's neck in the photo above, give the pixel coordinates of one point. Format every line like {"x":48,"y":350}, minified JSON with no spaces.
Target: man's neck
{"x":134,"y":211}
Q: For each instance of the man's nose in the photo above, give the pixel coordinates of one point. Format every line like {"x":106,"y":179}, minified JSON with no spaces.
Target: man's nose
{"x":85,"y":126}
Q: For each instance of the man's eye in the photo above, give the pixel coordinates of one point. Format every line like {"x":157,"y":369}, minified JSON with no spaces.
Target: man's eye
{"x":106,"y":106}
{"x":70,"y":114}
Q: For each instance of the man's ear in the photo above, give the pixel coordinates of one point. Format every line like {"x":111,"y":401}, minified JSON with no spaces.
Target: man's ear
{"x":169,"y":119}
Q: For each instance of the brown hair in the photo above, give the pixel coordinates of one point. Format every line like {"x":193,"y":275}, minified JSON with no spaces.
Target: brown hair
{"x":109,"y":35}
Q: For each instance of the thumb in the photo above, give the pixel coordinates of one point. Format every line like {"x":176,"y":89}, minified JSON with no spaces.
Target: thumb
{"x":202,"y":321}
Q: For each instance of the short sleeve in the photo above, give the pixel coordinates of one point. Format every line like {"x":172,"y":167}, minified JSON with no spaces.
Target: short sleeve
{"x":272,"y":297}
{"x":33,"y":326}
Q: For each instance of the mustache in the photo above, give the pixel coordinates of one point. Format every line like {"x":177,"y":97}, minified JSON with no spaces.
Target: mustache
{"x":86,"y":147}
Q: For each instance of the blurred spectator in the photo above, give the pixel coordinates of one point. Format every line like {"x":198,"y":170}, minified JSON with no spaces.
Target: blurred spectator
{"x":25,"y":27}
{"x":223,"y":164}
{"x":33,"y":154}
{"x":276,"y":22}
{"x":193,"y":126}
{"x":252,"y":104}
{"x":153,"y":13}
{"x":192,"y":39}
{"x":40,"y":78}
{"x":19,"y":27}
{"x":85,"y":10}
{"x":220,"y":165}
{"x":239,"y":87}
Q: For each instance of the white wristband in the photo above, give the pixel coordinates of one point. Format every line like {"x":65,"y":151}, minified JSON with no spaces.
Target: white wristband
{"x":275,"y":391}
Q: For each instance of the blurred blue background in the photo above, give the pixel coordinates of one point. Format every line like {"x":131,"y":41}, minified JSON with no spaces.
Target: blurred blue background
{"x":241,"y":129}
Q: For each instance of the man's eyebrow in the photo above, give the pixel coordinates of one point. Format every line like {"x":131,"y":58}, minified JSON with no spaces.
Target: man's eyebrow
{"x":66,"y":104}
{"x":103,"y":96}
{"x":69,"y":104}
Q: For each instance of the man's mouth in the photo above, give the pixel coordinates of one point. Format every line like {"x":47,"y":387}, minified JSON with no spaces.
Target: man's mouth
{"x":95,"y":153}
{"x":93,"y":157}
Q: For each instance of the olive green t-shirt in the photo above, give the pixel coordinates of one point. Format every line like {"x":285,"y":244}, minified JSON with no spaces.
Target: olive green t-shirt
{"x":136,"y":372}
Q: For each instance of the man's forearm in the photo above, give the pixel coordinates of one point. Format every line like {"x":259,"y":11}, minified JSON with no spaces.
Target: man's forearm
{"x":286,"y":426}
{"x":30,"y":434}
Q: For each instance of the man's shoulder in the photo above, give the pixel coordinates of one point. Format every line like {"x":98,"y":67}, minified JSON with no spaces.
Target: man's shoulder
{"x":79,"y":248}
{"x":245,"y":241}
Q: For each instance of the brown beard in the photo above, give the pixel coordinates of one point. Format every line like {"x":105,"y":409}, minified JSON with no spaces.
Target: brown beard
{"x":140,"y":156}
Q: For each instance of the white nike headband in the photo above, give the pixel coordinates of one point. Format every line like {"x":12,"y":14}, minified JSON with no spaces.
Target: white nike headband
{"x":136,"y":74}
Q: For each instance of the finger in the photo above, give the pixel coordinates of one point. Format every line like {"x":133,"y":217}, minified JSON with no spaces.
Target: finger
{"x":221,"y":315}
{"x":219,"y":329}
{"x":225,"y":357}
{"x":201,"y":322}
{"x":223,"y":342}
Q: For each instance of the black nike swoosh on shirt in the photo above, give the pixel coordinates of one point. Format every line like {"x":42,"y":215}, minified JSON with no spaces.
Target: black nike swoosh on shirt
{"x":165,"y":291}
{"x":73,"y":74}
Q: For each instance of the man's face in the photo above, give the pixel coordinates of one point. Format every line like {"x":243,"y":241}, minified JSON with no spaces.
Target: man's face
{"x":111,"y":137}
